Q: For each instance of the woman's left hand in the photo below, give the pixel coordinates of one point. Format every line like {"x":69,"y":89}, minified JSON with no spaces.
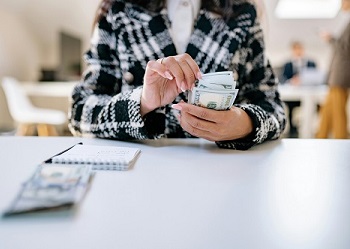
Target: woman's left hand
{"x":214,"y":125}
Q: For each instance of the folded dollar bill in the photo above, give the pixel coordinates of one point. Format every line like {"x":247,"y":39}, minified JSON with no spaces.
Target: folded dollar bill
{"x":52,"y":186}
{"x":214,"y":91}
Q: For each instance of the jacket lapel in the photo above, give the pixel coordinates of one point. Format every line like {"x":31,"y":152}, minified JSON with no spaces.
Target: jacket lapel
{"x":159,"y":26}
{"x":214,"y":43}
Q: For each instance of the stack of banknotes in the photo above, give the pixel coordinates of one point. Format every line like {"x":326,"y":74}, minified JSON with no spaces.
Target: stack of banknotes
{"x":214,"y":91}
{"x":52,"y":187}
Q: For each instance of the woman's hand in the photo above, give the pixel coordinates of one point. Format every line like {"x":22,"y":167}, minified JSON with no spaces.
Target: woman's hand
{"x":214,"y":125}
{"x":165,"y":79}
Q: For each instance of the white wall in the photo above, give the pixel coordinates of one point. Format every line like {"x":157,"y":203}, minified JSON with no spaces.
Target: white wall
{"x":29,"y":37}
{"x":19,"y":56}
{"x":19,"y":51}
{"x":43,"y":20}
{"x":73,"y":17}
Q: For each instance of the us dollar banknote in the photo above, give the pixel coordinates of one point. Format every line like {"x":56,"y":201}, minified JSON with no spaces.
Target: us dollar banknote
{"x":52,"y":187}
{"x":214,"y":91}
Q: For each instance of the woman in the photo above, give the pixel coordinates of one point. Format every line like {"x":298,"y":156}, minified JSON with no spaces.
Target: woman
{"x":143,"y":58}
{"x":333,"y":116}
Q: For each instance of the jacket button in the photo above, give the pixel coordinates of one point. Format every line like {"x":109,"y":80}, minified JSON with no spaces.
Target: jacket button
{"x":129,"y":78}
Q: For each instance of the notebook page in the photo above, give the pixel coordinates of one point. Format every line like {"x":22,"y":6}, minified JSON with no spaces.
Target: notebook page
{"x":95,"y":154}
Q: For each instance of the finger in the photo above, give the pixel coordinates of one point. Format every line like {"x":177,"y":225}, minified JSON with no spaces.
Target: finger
{"x":192,"y":63}
{"x":160,"y":69}
{"x":173,"y":66}
{"x":199,"y":112}
{"x":196,"y":123}
{"x":212,"y":131}
{"x":194,"y":130}
{"x":190,"y":76}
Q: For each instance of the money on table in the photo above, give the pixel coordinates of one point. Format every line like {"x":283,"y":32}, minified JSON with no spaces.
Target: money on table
{"x":52,"y":187}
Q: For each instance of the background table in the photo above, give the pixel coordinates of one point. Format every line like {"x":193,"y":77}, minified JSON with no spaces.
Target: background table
{"x":309,"y":97}
{"x":291,"y":193}
{"x":50,"y":89}
{"x":52,"y":95}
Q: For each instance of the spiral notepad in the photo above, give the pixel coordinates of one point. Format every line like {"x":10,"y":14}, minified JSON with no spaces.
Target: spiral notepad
{"x":100,"y":157}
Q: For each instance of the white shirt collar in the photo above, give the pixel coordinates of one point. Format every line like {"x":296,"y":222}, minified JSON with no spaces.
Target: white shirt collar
{"x":182,"y":21}
{"x":172,"y":6}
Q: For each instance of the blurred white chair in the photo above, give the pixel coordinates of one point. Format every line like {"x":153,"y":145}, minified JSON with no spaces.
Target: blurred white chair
{"x":27,"y":116}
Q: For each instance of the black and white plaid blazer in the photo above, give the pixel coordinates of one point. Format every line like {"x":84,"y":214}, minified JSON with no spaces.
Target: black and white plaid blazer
{"x":106,"y":103}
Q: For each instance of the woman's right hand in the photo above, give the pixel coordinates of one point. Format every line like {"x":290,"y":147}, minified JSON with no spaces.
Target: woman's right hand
{"x":165,"y":79}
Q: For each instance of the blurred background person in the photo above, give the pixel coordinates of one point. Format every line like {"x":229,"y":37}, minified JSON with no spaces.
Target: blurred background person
{"x":291,"y":75}
{"x":298,"y":62}
{"x":333,"y":118}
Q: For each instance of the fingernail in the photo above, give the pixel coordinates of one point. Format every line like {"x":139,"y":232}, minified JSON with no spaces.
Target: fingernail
{"x":178,"y":117}
{"x":199,"y":75}
{"x":168,"y":75}
{"x":176,"y":107}
{"x":183,"y":86}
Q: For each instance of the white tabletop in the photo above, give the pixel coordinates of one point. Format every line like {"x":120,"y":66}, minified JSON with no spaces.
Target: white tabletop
{"x":291,"y":193}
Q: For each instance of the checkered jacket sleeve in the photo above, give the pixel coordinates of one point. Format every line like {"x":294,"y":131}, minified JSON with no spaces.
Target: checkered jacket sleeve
{"x":99,"y":107}
{"x":259,"y":96}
